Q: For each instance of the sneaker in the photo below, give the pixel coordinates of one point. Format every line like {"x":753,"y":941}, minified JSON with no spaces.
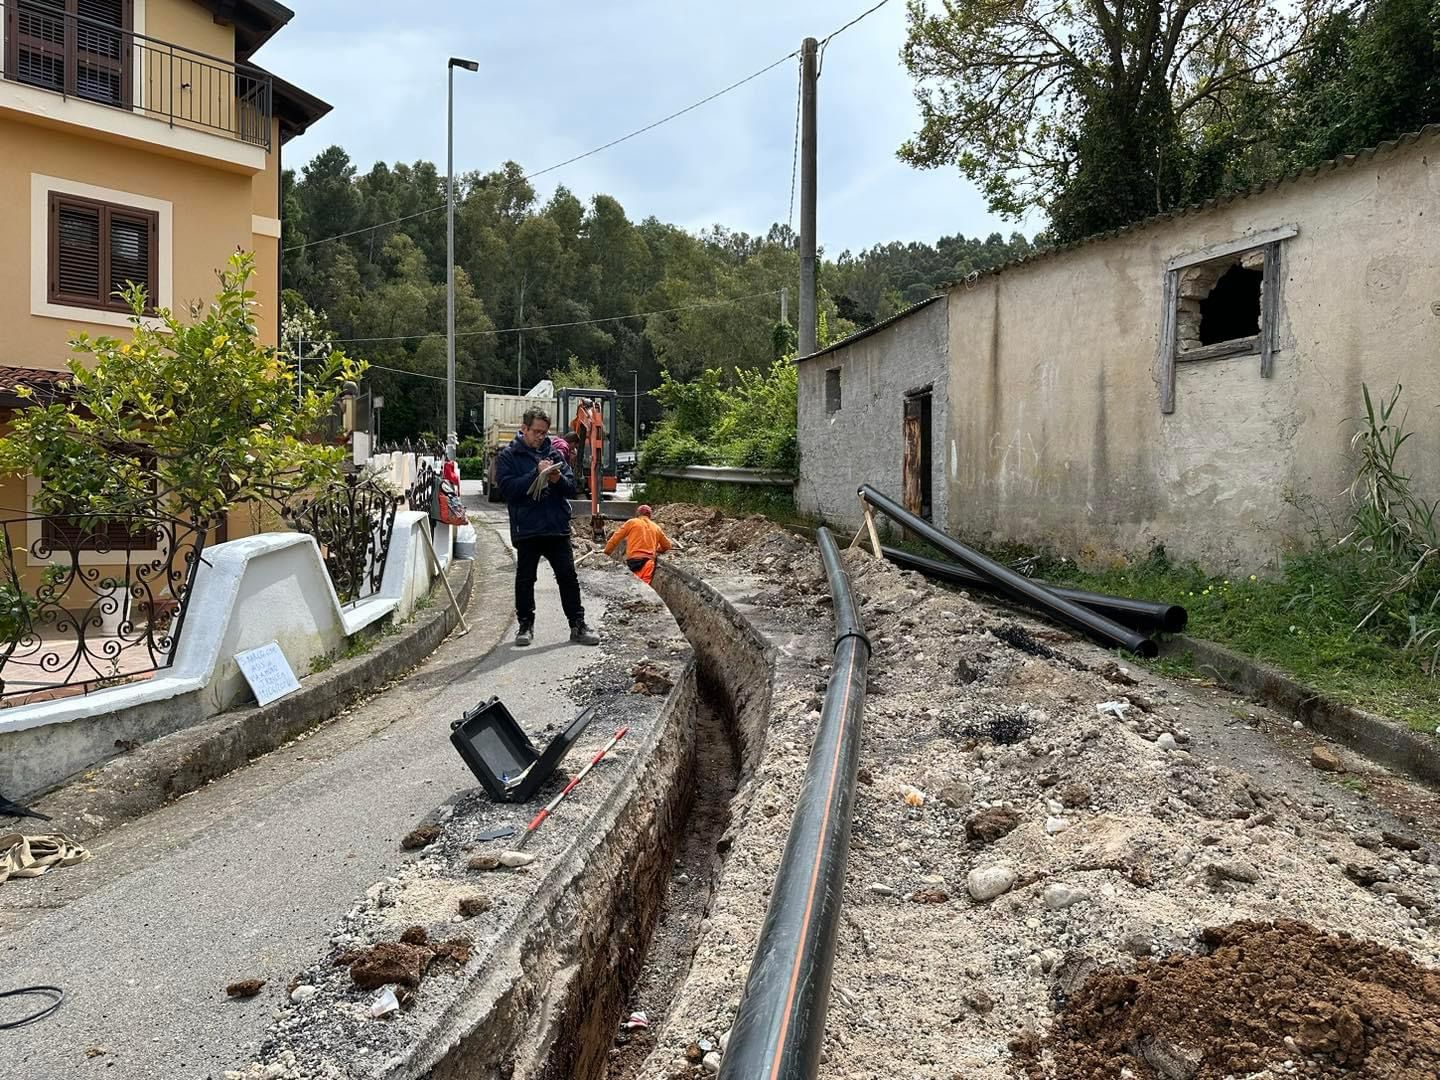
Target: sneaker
{"x":525,"y":634}
{"x":581,"y":634}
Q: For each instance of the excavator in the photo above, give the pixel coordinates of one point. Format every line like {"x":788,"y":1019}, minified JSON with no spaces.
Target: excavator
{"x":592,"y":415}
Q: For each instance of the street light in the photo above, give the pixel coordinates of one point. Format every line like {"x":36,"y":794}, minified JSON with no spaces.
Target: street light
{"x":451,"y":435}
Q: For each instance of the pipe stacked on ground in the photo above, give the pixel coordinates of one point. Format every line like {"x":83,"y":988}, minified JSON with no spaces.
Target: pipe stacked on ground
{"x":780,"y":1026}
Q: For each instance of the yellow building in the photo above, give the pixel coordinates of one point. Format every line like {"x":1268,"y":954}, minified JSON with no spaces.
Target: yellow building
{"x":138,"y":142}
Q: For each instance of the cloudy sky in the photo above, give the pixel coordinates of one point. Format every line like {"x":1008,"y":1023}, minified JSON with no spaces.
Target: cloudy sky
{"x":558,"y":77}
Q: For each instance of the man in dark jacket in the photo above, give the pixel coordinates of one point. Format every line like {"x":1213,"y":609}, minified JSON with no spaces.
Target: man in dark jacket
{"x":537,"y":486}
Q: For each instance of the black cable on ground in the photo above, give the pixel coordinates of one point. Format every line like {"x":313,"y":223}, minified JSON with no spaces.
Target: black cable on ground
{"x":38,"y":991}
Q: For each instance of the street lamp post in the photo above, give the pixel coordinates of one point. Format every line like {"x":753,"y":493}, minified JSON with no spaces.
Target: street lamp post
{"x":451,"y":435}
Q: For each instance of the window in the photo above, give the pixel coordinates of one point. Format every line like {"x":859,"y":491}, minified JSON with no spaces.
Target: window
{"x":76,"y":47}
{"x":97,"y":249}
{"x":101,"y":533}
{"x":1220,"y":302}
{"x":832,"y":391}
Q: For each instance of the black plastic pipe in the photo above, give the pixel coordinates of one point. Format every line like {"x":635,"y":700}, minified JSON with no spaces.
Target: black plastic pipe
{"x":780,"y":1026}
{"x":1144,"y":615}
{"x":1018,"y":587}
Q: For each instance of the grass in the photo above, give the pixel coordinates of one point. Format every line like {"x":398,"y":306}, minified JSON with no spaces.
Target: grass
{"x":356,"y":645}
{"x":777,"y":504}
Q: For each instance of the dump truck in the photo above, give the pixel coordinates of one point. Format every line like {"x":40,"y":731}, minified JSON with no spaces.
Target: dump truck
{"x":503,"y":416}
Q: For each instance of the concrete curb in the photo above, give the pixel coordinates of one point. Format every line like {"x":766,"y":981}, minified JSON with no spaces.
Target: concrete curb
{"x":155,"y":773}
{"x":1385,"y":741}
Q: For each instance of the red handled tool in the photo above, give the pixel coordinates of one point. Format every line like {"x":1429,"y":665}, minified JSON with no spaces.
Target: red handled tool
{"x":550,"y":807}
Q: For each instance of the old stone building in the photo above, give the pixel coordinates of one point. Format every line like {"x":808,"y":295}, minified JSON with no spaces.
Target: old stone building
{"x":1192,"y":380}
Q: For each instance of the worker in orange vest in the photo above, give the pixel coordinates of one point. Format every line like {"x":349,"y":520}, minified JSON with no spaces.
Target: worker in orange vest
{"x":643,"y":540}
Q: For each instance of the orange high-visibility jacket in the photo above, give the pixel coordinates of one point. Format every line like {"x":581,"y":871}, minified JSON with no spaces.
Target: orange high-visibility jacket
{"x":643,"y":539}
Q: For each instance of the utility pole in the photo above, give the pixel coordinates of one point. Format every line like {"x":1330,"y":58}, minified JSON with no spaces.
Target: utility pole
{"x":451,"y":434}
{"x":807,"y":197}
{"x":635,"y":434}
{"x":785,"y":306}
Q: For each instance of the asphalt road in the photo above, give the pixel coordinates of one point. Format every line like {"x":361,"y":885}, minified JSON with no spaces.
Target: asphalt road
{"x":246,"y":877}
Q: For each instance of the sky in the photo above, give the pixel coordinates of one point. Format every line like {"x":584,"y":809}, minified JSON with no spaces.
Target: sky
{"x":559,"y":77}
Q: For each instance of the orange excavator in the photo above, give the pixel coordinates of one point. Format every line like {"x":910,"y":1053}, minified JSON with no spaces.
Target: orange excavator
{"x":594,"y":467}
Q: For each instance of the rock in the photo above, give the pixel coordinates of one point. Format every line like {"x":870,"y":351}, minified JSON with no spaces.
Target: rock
{"x":1365,"y":876}
{"x":516,"y":858}
{"x":302,"y":994}
{"x":966,"y":672}
{"x":930,"y":896}
{"x":421,"y":837}
{"x":1138,"y":943}
{"x":390,"y":962}
{"x":1050,"y":959}
{"x":1058,"y":897}
{"x":985,"y":883}
{"x":725,"y":1038}
{"x":472,"y":904}
{"x":1403,"y":843}
{"x":274,"y":1071}
{"x":881,"y":889}
{"x":1166,"y":741}
{"x":1171,"y":1060}
{"x":990,"y":825}
{"x":1112,"y":672}
{"x":483,"y":862}
{"x":651,"y":678}
{"x":245,"y":988}
{"x":415,"y":935}
{"x":956,"y":795}
{"x":1325,"y":759}
{"x":1232,"y":870}
{"x":711,"y":1062}
{"x":1054,"y":826}
{"x":979,"y":1001}
{"x":1073,"y":796}
{"x":865,"y":777}
{"x":693,"y":1054}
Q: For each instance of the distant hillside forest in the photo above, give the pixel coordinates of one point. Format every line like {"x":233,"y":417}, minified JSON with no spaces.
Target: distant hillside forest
{"x":572,"y":274}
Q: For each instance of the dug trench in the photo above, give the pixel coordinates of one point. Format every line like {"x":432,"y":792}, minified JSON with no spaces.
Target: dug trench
{"x":639,"y":927}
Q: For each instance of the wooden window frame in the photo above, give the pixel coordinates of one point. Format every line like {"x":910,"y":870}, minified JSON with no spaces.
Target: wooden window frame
{"x":72,"y":54}
{"x":1264,"y":342}
{"x":106,"y":212}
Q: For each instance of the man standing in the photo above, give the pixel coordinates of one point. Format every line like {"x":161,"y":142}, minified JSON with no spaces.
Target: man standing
{"x":643,"y":540}
{"x":537,"y":486}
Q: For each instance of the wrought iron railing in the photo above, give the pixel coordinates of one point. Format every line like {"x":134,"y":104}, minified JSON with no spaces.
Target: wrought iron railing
{"x":421,"y":493}
{"x":101,"y":62}
{"x":91,"y":601}
{"x":353,"y":522}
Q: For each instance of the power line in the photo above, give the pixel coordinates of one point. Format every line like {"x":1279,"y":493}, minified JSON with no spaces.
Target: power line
{"x":357,"y":232}
{"x":795,"y":153}
{"x":440,"y":378}
{"x":559,"y":325}
{"x":852,"y":22}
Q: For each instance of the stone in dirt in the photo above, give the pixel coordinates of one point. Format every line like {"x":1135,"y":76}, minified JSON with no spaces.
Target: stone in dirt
{"x":991,"y":824}
{"x":985,"y":883}
{"x":415,"y":935}
{"x":1112,"y":672}
{"x":1326,"y":760}
{"x":390,"y":962}
{"x":930,"y":896}
{"x":1403,"y":843}
{"x":956,"y":795}
{"x":1357,"y":1007}
{"x":979,"y":1001}
{"x":651,"y":678}
{"x":245,"y":988}
{"x":456,"y":949}
{"x":472,"y":904}
{"x":483,"y":862}
{"x":1058,"y":897}
{"x":1233,"y":870}
{"x":1073,"y":796}
{"x":420,"y":837}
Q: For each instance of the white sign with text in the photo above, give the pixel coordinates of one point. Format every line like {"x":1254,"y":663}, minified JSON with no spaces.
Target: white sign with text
{"x":268,"y":673}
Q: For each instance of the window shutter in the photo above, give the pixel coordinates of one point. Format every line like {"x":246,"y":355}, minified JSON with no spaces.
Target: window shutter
{"x":76,"y":268}
{"x":130,"y":254}
{"x":100,"y":53}
{"x":37,"y":51}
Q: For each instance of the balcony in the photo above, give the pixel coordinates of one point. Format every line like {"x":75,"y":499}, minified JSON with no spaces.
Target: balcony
{"x":103,"y":63}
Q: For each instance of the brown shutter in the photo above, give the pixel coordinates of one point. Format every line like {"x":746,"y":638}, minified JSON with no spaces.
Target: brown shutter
{"x":75,"y":257}
{"x":131,"y":253}
{"x":100,"y":52}
{"x":36,"y":37}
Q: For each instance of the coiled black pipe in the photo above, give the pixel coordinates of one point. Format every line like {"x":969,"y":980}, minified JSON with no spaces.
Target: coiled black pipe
{"x":780,"y":1027}
{"x":1106,"y":631}
{"x":1141,"y":615}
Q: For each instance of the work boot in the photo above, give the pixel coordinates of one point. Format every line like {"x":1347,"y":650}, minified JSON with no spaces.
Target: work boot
{"x":580,"y":634}
{"x":525,"y":634}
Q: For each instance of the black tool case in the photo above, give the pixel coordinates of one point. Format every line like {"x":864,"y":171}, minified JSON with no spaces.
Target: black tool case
{"x":502,"y":757}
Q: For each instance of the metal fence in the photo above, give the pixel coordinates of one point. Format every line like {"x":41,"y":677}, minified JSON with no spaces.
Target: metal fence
{"x":91,"y":601}
{"x":100,"y":62}
{"x":420,"y":496}
{"x":353,"y":522}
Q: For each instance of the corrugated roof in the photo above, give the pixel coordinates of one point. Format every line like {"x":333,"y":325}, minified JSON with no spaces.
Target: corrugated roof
{"x":34,"y":378}
{"x":1429,"y":131}
{"x":872,"y":329}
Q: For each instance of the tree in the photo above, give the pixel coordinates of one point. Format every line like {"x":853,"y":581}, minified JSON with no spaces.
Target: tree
{"x":578,"y":375}
{"x":193,"y":418}
{"x":1092,"y":111}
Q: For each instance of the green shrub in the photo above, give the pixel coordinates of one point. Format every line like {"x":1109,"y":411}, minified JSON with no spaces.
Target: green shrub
{"x":748,"y":425}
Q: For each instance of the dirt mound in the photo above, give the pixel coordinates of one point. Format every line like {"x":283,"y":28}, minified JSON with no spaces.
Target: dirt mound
{"x":1266,"y":994}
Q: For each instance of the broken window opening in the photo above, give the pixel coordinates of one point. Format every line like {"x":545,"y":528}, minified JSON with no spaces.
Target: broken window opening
{"x":832,"y":391}
{"x":1232,"y":310}
{"x":1219,"y":305}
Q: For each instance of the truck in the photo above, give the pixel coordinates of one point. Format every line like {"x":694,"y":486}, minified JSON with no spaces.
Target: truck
{"x":503,"y":415}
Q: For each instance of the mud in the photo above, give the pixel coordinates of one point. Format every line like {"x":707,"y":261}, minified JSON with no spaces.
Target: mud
{"x":1264,"y":996}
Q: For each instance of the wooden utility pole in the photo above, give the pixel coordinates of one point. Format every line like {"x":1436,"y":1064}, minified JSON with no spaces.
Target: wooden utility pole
{"x":807,"y":197}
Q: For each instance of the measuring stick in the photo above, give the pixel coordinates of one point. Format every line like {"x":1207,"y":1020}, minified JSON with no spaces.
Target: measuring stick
{"x":440,"y":572}
{"x":543,"y":814}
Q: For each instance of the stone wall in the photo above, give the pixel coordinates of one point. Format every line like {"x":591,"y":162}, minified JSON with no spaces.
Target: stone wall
{"x":862,"y":441}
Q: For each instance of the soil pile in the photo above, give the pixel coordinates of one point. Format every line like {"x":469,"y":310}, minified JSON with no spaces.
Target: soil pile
{"x":1268,"y":995}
